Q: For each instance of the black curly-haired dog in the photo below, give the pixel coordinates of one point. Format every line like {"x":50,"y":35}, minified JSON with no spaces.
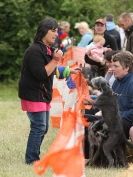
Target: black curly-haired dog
{"x":97,"y":133}
{"x":89,"y":72}
{"x":116,"y":141}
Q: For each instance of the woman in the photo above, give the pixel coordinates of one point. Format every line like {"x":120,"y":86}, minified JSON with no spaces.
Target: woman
{"x":86,"y":33}
{"x":35,"y":85}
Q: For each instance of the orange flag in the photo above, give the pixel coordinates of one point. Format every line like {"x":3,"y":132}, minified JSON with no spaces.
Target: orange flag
{"x":65,"y":156}
{"x":59,"y":151}
{"x":62,"y":162}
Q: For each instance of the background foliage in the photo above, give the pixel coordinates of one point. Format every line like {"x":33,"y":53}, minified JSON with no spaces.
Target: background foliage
{"x":19,"y":19}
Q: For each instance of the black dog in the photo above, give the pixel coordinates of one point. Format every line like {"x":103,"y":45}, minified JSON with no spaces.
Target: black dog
{"x":97,"y":133}
{"x":90,"y":72}
{"x":116,"y":140}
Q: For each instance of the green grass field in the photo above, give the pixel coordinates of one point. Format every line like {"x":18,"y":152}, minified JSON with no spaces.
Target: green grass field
{"x":14,"y":128}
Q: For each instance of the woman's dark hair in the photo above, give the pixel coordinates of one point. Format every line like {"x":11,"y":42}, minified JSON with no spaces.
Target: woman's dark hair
{"x":48,"y":23}
{"x":109,"y":54}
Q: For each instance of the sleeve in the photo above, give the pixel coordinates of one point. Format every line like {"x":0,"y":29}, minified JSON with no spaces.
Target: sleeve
{"x":92,"y":62}
{"x":35,"y":62}
{"x":110,"y":41}
{"x":119,"y":42}
{"x":127,"y":112}
{"x":113,"y":44}
{"x":85,"y":40}
{"x":96,"y":56}
{"x":130,"y":46}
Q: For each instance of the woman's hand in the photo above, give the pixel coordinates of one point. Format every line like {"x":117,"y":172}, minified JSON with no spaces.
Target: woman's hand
{"x":57,"y":56}
{"x":88,"y":101}
{"x":75,"y":70}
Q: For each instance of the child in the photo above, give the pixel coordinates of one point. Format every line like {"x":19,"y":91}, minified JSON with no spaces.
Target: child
{"x":95,"y":49}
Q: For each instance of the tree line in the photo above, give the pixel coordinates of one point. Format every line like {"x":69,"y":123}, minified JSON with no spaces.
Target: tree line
{"x":19,"y":20}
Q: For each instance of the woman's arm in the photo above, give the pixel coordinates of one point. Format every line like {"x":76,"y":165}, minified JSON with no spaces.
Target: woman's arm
{"x":50,"y":67}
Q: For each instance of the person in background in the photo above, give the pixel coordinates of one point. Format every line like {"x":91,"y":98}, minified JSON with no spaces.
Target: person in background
{"x":111,"y":29}
{"x":36,"y":81}
{"x":122,"y":34}
{"x":95,"y":49}
{"x":122,"y":67}
{"x":86,"y":33}
{"x":109,"y":76}
{"x":63,"y":41}
{"x":126,"y":22}
{"x":100,"y":28}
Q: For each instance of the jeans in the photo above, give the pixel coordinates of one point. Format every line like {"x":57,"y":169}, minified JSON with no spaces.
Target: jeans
{"x":39,"y":123}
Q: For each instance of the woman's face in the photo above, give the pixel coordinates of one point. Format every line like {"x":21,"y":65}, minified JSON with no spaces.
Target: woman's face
{"x":82,"y":30}
{"x":118,"y":70}
{"x":50,"y":37}
{"x":99,"y":28}
{"x":67,"y":28}
{"x":109,"y":66}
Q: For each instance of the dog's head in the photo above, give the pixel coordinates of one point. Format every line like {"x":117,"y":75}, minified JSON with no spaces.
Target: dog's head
{"x":90,"y":72}
{"x":100,"y":83}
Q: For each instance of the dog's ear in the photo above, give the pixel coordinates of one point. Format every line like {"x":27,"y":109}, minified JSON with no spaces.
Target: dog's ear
{"x":104,"y":86}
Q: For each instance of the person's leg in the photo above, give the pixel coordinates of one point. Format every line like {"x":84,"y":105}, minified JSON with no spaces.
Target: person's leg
{"x":126,"y":127}
{"x":39,"y":122}
{"x":131,"y":133}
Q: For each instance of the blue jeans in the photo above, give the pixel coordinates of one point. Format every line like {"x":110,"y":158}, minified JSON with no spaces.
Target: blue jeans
{"x":39,"y":123}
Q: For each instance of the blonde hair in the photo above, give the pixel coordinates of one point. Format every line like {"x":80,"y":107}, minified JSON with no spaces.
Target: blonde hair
{"x":84,"y":25}
{"x":97,"y":38}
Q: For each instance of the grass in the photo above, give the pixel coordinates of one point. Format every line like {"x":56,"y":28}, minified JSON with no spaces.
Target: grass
{"x":13,"y":137}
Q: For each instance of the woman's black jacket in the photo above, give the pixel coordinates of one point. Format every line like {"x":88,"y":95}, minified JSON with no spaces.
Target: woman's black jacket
{"x":34,"y":83}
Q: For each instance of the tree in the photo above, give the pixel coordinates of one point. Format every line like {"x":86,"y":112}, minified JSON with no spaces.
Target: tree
{"x":19,"y":20}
